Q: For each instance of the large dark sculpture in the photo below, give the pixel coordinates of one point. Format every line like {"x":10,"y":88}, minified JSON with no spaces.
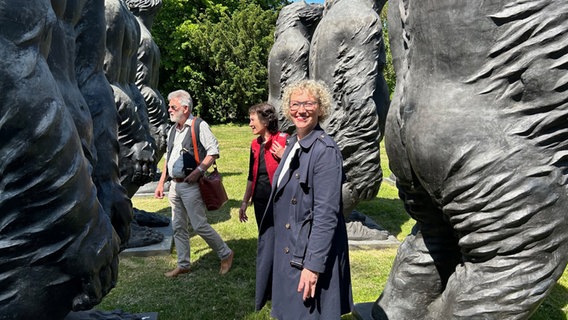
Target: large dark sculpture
{"x":288,"y":60}
{"x":76,"y":60}
{"x":137,"y":146}
{"x":147,"y":72}
{"x":477,"y":137}
{"x":58,"y":249}
{"x":348,"y":54}
{"x":342,"y":47}
{"x":144,"y":116}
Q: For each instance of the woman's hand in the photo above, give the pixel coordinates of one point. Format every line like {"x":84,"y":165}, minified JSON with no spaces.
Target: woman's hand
{"x":277,"y":149}
{"x":243,"y":212}
{"x":308,"y":281}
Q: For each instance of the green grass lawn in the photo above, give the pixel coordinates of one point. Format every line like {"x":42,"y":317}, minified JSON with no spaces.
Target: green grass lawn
{"x":203,"y":294}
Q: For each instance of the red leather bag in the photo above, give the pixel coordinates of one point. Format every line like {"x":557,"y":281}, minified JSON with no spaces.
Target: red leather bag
{"x":210,"y":184}
{"x":212,"y":190}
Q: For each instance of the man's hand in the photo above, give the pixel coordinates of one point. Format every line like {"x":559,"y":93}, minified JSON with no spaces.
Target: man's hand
{"x":159,"y":192}
{"x":194,"y":176}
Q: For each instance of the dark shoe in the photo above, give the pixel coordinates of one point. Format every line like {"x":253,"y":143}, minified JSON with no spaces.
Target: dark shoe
{"x":176,"y":272}
{"x":227,"y":263}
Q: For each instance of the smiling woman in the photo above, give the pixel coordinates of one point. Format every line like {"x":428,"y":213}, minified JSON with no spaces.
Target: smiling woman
{"x":303,"y":264}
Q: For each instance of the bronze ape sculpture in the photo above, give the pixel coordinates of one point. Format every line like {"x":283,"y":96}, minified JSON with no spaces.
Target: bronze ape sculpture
{"x":148,"y":71}
{"x":288,"y":60}
{"x":59,"y":251}
{"x":76,"y":60}
{"x":348,"y":54}
{"x":137,"y":146}
{"x":343,"y":47}
{"x":477,"y":138}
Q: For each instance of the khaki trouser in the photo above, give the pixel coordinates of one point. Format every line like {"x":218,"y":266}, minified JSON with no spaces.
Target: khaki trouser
{"x":186,"y":203}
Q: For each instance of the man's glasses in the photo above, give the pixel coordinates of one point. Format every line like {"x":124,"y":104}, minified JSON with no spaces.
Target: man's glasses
{"x":308,"y":105}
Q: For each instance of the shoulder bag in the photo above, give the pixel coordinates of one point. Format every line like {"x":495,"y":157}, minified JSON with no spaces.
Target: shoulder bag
{"x":210,"y":184}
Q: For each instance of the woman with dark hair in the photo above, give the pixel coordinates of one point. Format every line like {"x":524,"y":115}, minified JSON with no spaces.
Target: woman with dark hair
{"x":265,"y":154}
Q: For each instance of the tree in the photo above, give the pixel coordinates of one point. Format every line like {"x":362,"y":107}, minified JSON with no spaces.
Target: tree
{"x":217,"y":50}
{"x":388,"y":71}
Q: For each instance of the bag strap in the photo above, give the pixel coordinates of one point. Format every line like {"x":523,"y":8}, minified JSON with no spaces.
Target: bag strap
{"x":194,"y":141}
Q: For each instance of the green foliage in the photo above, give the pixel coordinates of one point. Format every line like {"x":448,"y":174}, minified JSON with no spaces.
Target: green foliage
{"x":218,"y":51}
{"x":237,"y":50}
{"x":388,"y":71}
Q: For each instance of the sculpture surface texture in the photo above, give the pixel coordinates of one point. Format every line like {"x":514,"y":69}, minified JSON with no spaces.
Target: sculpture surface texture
{"x":59,"y":251}
{"x":144,"y":117}
{"x":147,"y":72}
{"x":288,"y":58}
{"x":76,"y":60}
{"x":477,"y":138}
{"x":342,"y":46}
{"x":137,"y":146}
{"x":348,"y":55}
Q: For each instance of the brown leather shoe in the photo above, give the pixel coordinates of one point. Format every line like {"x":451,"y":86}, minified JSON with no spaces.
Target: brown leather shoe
{"x":227,"y":263}
{"x":176,"y":272}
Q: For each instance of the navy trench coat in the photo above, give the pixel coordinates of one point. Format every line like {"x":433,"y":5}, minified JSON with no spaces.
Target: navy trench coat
{"x":304,"y":227}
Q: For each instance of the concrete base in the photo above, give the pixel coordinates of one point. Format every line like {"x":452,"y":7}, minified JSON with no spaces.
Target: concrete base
{"x":364,"y":233}
{"x":362,"y":311}
{"x":110,"y":315}
{"x":162,"y":248}
{"x":148,"y":316}
{"x":148,"y":189}
{"x":390,"y":242}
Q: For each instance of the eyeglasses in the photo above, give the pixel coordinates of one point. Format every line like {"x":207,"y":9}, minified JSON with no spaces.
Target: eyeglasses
{"x":308,"y":105}
{"x":175,"y":108}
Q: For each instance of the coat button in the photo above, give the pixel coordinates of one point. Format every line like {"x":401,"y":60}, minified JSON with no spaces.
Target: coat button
{"x":286,"y":250}
{"x":287,"y":226}
{"x":297,"y":176}
{"x":294,"y":201}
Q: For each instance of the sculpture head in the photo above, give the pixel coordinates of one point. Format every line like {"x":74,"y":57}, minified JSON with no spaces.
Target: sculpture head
{"x":144,"y":9}
{"x":150,"y":7}
{"x":299,"y":14}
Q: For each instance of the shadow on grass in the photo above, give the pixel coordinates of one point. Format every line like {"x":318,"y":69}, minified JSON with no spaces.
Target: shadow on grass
{"x":552,"y":307}
{"x":221,"y":215}
{"x":224,"y":213}
{"x":388,"y":213}
{"x":225,"y":174}
{"x":202,"y":294}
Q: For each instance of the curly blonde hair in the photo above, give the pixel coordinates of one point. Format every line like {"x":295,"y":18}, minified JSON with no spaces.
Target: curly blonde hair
{"x":317,"y":89}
